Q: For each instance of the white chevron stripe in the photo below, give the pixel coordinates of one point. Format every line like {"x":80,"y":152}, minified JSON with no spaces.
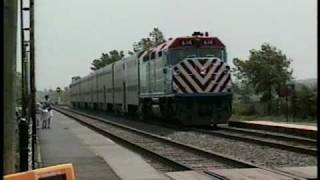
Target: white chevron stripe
{"x":230,"y":83}
{"x":176,"y":87}
{"x":197,"y":75}
{"x":194,"y":84}
{"x":216,"y":78}
{"x":224,"y":78}
{"x":183,"y":84}
{"x":194,"y":72}
{"x":206,"y":64}
{"x":227,"y":86}
{"x":208,"y":75}
{"x":213,"y":82}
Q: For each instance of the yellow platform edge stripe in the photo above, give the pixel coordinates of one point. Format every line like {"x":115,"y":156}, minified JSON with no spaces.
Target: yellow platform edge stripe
{"x":36,"y":174}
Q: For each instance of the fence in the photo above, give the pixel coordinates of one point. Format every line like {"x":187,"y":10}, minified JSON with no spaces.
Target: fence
{"x":276,"y":107}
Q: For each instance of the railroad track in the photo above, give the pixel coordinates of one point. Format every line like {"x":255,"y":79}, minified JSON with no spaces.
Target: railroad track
{"x":268,"y":134}
{"x":280,"y":141}
{"x":173,"y":153}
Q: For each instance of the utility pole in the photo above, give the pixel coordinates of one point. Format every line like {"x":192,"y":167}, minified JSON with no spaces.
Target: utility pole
{"x":58,"y":90}
{"x":24,"y":121}
{"x":287,"y":109}
{"x":28,"y":91}
{"x":10,"y":16}
{"x":32,"y":83}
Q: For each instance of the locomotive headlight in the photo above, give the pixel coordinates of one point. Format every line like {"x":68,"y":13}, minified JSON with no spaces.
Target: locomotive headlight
{"x":203,"y":71}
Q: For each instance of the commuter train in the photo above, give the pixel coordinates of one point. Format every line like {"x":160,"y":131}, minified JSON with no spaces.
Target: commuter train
{"x":185,"y":79}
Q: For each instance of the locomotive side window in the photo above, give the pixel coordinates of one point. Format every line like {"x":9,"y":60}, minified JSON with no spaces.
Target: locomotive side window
{"x":159,"y":53}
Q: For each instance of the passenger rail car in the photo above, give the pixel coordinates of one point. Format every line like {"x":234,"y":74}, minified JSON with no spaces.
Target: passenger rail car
{"x":185,"y":79}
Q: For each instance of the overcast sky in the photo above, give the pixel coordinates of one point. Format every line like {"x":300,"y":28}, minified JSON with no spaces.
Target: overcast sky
{"x":71,"y":33}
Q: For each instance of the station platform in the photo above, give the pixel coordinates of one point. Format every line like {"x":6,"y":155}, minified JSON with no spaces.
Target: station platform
{"x":306,"y":131}
{"x":309,"y":172}
{"x":93,"y":156}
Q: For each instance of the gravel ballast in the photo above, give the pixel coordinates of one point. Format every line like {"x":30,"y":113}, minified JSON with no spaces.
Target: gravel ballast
{"x":257,"y":154}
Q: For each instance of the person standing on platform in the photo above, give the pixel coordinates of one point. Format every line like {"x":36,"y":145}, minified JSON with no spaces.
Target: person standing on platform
{"x":38,"y":114}
{"x":50,"y":115}
{"x":45,"y":111}
{"x":47,"y":101}
{"x":44,"y":117}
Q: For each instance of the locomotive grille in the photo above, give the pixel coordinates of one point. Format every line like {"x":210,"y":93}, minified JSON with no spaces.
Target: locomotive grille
{"x":207,"y":75}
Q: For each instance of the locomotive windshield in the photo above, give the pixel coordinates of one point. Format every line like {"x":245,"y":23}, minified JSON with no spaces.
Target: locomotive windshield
{"x":176,"y":55}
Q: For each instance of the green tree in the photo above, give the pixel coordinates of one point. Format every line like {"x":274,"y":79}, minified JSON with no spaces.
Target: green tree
{"x":306,"y":100}
{"x":143,"y":44}
{"x":266,"y":70}
{"x":106,"y":58}
{"x":242,"y":98}
{"x":155,"y":38}
{"x":242,"y":92}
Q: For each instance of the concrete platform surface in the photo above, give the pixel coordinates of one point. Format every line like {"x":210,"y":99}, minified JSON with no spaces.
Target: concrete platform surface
{"x":293,"y":129}
{"x":308,"y":172}
{"x":287,"y":125}
{"x":93,"y":155}
{"x":249,"y":174}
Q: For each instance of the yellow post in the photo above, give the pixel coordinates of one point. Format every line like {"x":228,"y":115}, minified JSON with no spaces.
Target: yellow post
{"x":63,"y":171}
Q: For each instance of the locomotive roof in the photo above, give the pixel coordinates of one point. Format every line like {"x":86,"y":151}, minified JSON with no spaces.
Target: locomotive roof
{"x":173,"y":41}
{"x":161,"y":47}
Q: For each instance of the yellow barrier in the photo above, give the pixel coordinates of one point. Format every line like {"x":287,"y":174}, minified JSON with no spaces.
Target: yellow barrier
{"x":59,"y":172}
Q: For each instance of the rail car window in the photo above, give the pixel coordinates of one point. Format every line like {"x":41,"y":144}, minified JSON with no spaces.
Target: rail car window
{"x":159,"y":53}
{"x":176,"y":55}
{"x":145,"y":58}
{"x":153,"y":55}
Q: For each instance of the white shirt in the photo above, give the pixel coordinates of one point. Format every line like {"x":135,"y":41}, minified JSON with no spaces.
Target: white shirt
{"x":51,"y":113}
{"x":44,"y":114}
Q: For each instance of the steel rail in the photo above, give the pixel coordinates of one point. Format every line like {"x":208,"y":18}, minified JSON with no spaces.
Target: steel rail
{"x":264,"y":133}
{"x":298,"y":149}
{"x":218,"y":156}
